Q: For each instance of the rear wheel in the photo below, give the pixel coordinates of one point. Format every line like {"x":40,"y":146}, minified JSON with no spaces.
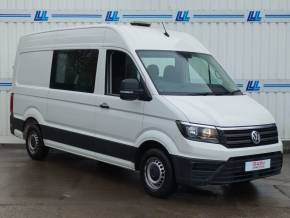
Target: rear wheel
{"x":157,"y":173}
{"x":34,"y":142}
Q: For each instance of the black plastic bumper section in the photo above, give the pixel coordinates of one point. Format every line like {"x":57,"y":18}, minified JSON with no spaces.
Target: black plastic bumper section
{"x":205,"y":172}
{"x":15,"y":124}
{"x":12,"y":124}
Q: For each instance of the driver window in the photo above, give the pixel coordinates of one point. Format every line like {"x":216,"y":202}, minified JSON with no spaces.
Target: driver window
{"x":119,"y":66}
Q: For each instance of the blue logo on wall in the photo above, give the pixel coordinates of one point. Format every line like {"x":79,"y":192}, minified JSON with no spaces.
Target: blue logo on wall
{"x":41,"y":16}
{"x":112,"y":16}
{"x":254,"y":16}
{"x":253,"y":85}
{"x":182,"y":16}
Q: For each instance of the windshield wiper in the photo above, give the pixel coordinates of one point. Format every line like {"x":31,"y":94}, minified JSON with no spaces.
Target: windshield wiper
{"x":236,"y":92}
{"x":201,"y":93}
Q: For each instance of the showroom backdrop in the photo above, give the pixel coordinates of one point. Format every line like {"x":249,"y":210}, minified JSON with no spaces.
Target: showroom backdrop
{"x":251,"y":38}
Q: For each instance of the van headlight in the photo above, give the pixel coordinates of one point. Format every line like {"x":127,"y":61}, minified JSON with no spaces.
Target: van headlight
{"x":198,"y":132}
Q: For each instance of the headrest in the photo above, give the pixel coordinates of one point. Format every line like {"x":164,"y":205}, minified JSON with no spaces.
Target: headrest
{"x":153,"y":71}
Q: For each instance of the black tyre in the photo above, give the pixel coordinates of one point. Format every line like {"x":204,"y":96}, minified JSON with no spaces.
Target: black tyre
{"x":244,"y":183}
{"x":157,"y":173}
{"x":34,"y":142}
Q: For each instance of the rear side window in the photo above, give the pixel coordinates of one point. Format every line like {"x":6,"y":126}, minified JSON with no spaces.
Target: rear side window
{"x":74,"y":70}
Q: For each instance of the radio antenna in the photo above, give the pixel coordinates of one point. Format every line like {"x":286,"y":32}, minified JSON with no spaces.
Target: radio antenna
{"x":165,"y":32}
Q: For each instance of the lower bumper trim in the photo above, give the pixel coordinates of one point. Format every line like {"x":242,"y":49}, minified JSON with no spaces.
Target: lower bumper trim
{"x":205,"y":172}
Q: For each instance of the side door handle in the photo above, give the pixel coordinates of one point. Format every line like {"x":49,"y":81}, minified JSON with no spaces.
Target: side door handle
{"x":105,"y":106}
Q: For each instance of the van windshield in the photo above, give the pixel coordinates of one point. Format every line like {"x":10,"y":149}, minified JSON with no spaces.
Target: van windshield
{"x":186,"y":73}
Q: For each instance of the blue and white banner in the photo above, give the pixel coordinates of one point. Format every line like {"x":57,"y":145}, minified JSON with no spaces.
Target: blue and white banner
{"x":43,"y":15}
{"x":263,"y":85}
{"x":243,"y":85}
{"x":5,"y":84}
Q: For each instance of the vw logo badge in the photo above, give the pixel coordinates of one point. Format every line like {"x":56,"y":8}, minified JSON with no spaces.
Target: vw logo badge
{"x":255,"y":136}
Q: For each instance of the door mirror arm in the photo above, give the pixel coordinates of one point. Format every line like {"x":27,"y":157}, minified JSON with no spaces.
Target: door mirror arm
{"x":130,"y":90}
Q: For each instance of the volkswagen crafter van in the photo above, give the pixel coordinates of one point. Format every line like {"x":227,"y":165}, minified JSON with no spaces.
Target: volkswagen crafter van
{"x":143,"y":99}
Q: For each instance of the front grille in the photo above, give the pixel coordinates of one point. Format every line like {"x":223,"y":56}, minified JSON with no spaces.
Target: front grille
{"x":238,"y":138}
{"x":234,"y":169}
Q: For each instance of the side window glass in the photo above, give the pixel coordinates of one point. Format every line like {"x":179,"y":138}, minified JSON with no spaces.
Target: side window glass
{"x":119,"y":66}
{"x":74,"y":70}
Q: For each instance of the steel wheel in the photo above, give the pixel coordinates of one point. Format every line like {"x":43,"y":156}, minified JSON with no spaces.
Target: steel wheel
{"x":157,"y":174}
{"x":154,"y":173}
{"x":33,"y":142}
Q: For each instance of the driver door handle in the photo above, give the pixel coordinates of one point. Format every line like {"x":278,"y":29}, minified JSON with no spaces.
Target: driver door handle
{"x":105,"y":105}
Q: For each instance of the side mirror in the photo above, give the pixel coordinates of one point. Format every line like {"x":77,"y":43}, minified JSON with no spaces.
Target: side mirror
{"x":130,"y":89}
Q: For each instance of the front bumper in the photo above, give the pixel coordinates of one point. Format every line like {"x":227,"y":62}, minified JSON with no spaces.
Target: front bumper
{"x":203,"y":172}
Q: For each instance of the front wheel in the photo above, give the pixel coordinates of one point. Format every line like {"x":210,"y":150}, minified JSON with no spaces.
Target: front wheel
{"x":157,"y":173}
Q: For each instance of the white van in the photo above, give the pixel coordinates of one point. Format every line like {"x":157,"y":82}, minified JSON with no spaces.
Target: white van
{"x":142,"y":99}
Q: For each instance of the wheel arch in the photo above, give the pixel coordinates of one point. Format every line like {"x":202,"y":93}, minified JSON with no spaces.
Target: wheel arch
{"x":32,"y":114}
{"x":154,"y":139}
{"x":145,"y":146}
{"x":29,"y":120}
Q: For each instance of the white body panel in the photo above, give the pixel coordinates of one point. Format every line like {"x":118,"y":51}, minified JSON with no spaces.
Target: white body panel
{"x":71,"y":109}
{"x":222,"y":110}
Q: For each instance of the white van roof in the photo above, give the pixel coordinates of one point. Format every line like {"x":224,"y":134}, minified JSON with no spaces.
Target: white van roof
{"x":123,"y":36}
